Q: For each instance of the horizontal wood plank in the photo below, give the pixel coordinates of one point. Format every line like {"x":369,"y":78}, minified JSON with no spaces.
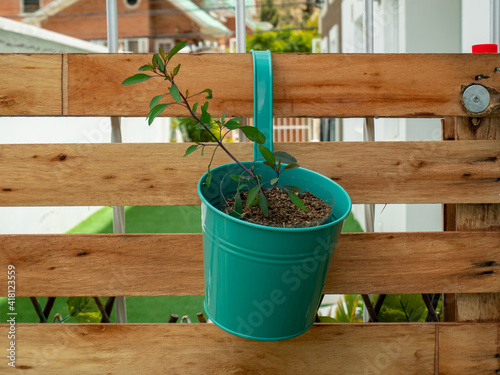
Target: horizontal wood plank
{"x":313,"y":85}
{"x":30,"y":84}
{"x":206,"y":349}
{"x":156,"y":264}
{"x":469,"y":348}
{"x":157,"y":174}
{"x":347,"y":85}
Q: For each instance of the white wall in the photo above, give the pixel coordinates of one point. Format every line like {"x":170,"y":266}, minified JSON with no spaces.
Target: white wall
{"x":475,"y":23}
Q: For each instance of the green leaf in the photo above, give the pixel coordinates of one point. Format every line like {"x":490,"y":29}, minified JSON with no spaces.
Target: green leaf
{"x":268,"y":155}
{"x":252,"y":195}
{"x":195,"y":106}
{"x":234,"y":177}
{"x":263,"y":204}
{"x":191,"y":149}
{"x":209,"y":93}
{"x":208,"y":181}
{"x":176,"y":70}
{"x":402,"y":308}
{"x":155,"y":111}
{"x":155,"y":101}
{"x":291,"y":166}
{"x":235,"y":214}
{"x":185,"y":121}
{"x":136,"y":78}
{"x":162,"y":54}
{"x":83,"y":309}
{"x":232,"y":125}
{"x":297,"y":201}
{"x":274,"y":181}
{"x":146,"y":68}
{"x":293,"y":188}
{"x":269,"y":164}
{"x":205,"y":116}
{"x":174,"y":91}
{"x":242,"y":186}
{"x":253,"y":134}
{"x":285,"y":158}
{"x":349,"y":310}
{"x":238,"y":205}
{"x":158,"y":62}
{"x":223,"y":117}
{"x":176,"y":49}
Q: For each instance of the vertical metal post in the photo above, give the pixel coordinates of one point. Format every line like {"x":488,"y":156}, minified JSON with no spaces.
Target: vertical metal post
{"x":116,"y":137}
{"x":241,"y":32}
{"x":495,"y":22}
{"x":368,"y":26}
{"x":112,"y":25}
{"x":369,"y":135}
{"x":369,"y":128}
{"x":241,"y":47}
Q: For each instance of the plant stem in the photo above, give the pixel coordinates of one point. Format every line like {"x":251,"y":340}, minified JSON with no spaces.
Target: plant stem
{"x":48,"y":306}
{"x":109,"y":306}
{"x":105,"y":317}
{"x":38,"y":309}
{"x":219,"y":142}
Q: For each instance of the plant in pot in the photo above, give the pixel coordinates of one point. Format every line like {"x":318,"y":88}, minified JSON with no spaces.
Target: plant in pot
{"x":263,"y":276}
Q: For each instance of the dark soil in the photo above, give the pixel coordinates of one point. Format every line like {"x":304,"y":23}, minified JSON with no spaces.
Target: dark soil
{"x":283,"y":213}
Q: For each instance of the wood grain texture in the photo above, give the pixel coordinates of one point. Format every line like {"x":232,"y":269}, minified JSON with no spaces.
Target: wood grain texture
{"x":350,"y":85}
{"x":172,"y":264}
{"x":185,"y":349}
{"x":30,"y":84}
{"x":469,"y":349}
{"x":311,"y":85}
{"x":478,"y":217}
{"x":157,"y":174}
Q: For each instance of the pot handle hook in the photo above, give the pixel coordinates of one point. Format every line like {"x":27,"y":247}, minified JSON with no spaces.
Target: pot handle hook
{"x":263,"y":98}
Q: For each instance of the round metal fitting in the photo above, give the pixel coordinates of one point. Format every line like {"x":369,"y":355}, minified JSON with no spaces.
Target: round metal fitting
{"x":476,"y":98}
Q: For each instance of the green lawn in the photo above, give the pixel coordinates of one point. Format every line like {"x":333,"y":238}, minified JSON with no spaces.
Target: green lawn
{"x":173,"y":219}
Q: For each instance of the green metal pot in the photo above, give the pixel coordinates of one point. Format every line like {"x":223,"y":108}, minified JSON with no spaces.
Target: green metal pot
{"x":265,"y":283}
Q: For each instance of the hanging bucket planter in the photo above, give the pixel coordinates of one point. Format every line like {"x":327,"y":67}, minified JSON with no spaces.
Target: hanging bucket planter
{"x":261,"y":282}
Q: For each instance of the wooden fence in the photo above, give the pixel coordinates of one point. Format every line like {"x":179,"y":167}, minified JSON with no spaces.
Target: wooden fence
{"x":461,"y":172}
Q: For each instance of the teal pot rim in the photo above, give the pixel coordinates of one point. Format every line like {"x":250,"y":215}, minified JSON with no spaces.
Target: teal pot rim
{"x":332,"y":223}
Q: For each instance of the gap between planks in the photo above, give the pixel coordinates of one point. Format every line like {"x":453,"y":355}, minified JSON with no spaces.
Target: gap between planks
{"x":64,"y":84}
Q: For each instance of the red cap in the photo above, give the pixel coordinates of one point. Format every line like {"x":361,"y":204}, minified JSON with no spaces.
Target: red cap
{"x":484,"y":48}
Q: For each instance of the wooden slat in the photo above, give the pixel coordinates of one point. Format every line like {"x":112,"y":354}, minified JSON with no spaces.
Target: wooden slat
{"x":348,"y":85}
{"x":318,"y":85}
{"x":180,"y":349}
{"x":157,"y":174}
{"x":433,"y":262}
{"x":30,"y":85}
{"x":172,"y":264}
{"x":482,"y":217}
{"x":469,"y":348}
